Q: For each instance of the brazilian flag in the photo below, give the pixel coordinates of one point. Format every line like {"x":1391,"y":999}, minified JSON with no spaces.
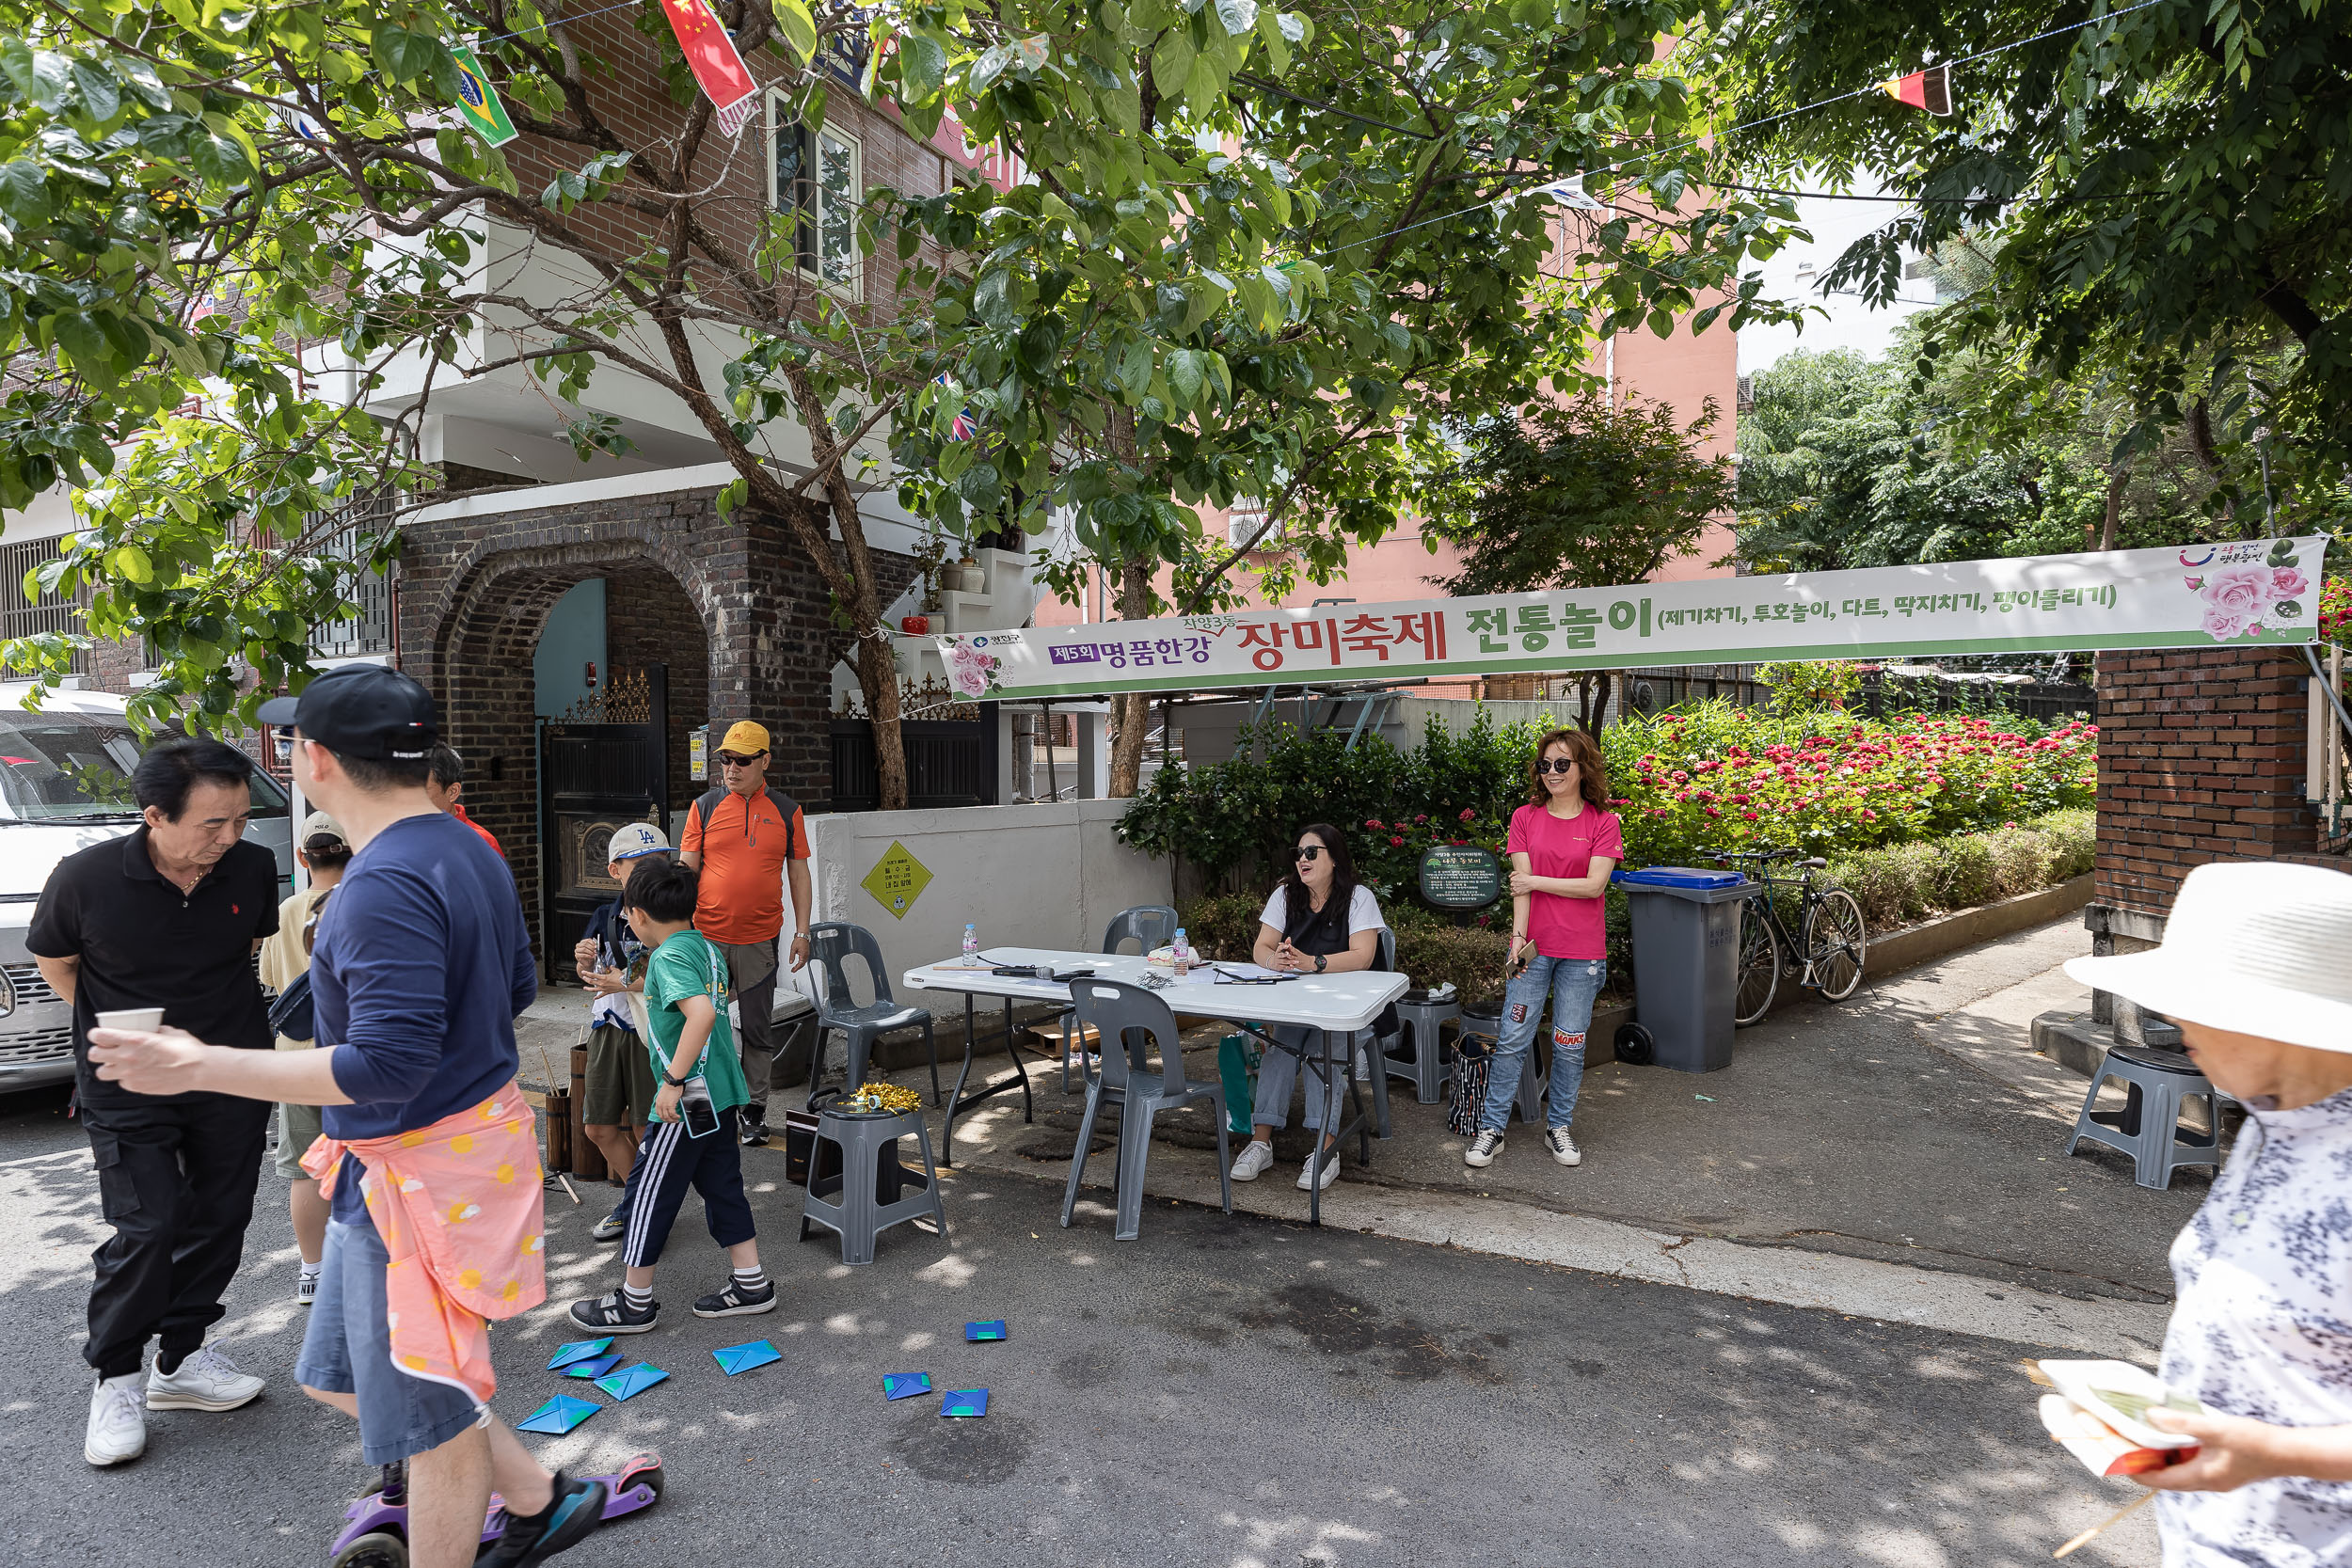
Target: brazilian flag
{"x":478,"y":101}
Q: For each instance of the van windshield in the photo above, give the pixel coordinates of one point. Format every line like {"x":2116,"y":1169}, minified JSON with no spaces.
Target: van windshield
{"x":62,"y":766}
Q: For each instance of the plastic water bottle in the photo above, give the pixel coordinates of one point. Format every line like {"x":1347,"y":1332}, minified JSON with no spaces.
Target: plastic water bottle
{"x":971,"y":941}
{"x":1182,"y":953}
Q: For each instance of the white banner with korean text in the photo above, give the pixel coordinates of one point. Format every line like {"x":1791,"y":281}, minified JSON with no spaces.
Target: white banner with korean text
{"x":2260,"y":591}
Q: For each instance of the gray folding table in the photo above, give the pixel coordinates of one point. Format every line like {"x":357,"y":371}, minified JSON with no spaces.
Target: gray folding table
{"x":1332,"y":1004}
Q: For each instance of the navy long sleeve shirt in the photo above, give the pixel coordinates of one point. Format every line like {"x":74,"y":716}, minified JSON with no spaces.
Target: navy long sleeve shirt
{"x":420,"y":964}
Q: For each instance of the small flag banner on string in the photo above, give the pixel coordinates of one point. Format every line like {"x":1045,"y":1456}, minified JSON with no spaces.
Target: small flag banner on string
{"x":478,"y":101}
{"x":1930,"y":90}
{"x":964,"y":426}
{"x":711,"y":55}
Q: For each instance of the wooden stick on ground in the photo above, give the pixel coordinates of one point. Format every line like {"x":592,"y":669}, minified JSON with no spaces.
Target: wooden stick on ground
{"x":2108,"y":1524}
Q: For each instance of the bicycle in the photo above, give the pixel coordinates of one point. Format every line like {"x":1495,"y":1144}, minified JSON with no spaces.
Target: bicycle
{"x":1828,"y":918}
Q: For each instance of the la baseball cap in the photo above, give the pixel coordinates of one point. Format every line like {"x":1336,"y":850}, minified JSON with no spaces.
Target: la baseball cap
{"x":635,"y":839}
{"x":361,"y":710}
{"x":319,"y":825}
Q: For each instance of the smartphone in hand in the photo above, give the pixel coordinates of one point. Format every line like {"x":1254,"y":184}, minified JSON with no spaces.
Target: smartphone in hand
{"x":1522,"y":954}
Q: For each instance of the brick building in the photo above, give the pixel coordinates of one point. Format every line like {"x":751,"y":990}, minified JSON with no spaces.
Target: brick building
{"x":2203,"y":755}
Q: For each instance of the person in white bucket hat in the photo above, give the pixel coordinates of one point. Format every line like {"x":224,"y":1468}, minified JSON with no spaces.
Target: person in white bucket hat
{"x":2256,"y":969}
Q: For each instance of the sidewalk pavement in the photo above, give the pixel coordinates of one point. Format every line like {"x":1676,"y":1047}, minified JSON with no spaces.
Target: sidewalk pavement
{"x":1900,"y":1156}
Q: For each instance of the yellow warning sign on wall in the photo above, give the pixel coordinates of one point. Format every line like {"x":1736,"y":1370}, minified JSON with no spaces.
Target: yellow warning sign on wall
{"x":897,"y":880}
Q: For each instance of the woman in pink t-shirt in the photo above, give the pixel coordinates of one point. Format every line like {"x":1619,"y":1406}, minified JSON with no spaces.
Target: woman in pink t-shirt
{"x":1563,"y":843}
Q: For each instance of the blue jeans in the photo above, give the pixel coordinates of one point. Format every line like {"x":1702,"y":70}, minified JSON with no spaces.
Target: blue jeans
{"x":1572,"y":984}
{"x":347,"y":1349}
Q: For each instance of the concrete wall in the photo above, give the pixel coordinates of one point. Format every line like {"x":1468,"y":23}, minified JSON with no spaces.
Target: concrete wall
{"x":1050,"y":875}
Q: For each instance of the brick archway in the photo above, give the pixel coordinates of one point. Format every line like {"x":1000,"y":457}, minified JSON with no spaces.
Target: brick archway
{"x":482,"y":672}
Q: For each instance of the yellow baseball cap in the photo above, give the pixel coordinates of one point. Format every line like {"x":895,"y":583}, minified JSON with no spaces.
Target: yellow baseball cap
{"x":745,"y":738}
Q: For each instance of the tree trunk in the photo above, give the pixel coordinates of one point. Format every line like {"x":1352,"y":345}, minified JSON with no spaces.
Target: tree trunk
{"x":2116,"y":484}
{"x":1133,"y":709}
{"x":1592,"y":700}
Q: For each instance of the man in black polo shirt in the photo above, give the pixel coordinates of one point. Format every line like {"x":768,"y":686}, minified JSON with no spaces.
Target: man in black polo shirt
{"x":170,"y":917}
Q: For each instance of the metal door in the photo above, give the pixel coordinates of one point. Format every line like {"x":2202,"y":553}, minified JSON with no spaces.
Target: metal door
{"x":603,"y":763}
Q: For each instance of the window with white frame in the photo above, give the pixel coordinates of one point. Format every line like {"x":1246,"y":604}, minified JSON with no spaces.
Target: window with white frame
{"x":1245,"y":520}
{"x":816,"y":178}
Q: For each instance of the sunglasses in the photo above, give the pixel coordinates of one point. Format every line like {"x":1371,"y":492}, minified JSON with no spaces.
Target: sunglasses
{"x":1559,"y":765}
{"x":727,"y":761}
{"x":1309,"y":851}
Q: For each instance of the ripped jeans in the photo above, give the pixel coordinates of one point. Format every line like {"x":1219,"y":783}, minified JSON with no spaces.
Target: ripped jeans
{"x":1572,"y":984}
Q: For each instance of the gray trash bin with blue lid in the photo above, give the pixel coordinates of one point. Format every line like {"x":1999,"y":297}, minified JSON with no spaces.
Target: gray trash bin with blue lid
{"x":1686,"y":961}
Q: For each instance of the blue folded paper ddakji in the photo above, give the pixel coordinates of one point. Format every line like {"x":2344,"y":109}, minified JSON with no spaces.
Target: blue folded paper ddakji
{"x":742,"y":1359}
{"x":905,"y":1385}
{"x":964,"y":1401}
{"x":629,"y":1382}
{"x":559,"y":1414}
{"x":594,"y":1367}
{"x":578,"y":1349}
{"x":992,"y":1329}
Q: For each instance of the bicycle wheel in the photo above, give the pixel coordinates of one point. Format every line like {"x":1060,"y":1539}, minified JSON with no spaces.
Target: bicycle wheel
{"x":1833,"y":943}
{"x":1760,"y":965}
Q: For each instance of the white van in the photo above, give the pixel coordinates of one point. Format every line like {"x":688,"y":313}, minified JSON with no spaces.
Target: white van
{"x":65,"y":783}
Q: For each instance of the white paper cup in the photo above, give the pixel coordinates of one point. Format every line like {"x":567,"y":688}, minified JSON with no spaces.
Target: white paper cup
{"x":135,"y":1020}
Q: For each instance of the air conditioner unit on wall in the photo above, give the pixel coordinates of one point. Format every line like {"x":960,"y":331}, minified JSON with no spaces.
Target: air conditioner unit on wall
{"x":1245,"y":520}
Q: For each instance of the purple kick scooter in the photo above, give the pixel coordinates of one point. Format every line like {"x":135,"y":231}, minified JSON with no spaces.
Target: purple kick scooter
{"x":375,"y":1533}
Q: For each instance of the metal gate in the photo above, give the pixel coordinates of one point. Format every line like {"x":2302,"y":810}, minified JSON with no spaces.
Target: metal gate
{"x":603,"y":763}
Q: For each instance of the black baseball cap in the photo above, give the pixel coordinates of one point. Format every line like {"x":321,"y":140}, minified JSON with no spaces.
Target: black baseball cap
{"x":361,"y":710}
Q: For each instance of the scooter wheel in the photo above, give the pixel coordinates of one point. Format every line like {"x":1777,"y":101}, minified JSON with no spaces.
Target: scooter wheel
{"x":1634,"y":1046}
{"x":376,"y":1549}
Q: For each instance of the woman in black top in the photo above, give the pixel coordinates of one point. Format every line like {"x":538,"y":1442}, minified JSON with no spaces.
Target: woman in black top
{"x":1320,"y":920}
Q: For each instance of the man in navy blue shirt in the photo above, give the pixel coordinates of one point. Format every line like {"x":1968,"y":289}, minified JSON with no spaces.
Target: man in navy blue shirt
{"x":420,"y":964}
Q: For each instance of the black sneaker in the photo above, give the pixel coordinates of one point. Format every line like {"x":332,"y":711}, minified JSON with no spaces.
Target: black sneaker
{"x":752,"y":1123}
{"x":735,"y":1302}
{"x":575,"y":1511}
{"x":612,"y":1314}
{"x":612,"y":1226}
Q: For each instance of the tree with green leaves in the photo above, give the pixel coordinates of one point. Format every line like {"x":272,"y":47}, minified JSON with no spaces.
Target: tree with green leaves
{"x":1255,"y":252}
{"x":1586,"y":494}
{"x":1279,"y":254}
{"x":2169,"y":185}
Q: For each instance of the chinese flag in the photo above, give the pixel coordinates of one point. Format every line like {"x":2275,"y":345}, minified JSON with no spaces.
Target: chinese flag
{"x":711,"y":55}
{"x":1930,"y":90}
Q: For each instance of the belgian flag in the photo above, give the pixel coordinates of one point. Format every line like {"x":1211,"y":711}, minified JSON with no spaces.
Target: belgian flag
{"x":1930,"y":90}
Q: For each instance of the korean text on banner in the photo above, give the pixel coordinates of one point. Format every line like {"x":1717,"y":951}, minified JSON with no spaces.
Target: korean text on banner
{"x":2263,"y":591}
{"x":712,"y":57}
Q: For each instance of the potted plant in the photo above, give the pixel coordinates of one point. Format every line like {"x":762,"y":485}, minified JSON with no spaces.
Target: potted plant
{"x":931,"y":557}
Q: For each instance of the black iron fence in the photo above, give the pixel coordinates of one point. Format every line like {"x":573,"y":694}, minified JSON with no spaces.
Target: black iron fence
{"x":950,"y":762}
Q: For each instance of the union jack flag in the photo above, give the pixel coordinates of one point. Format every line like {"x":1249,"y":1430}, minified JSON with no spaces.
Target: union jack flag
{"x":964,"y":427}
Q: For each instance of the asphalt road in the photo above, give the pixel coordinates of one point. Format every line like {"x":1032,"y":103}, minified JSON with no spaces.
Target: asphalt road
{"x":1237,"y":1392}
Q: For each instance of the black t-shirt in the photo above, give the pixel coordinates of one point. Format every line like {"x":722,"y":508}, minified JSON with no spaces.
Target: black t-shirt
{"x":143,"y":943}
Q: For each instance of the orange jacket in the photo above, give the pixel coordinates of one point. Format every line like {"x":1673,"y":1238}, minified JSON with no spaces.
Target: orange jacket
{"x":462,"y":1213}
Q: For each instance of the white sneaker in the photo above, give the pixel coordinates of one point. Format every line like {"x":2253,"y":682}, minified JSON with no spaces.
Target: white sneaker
{"x":118,"y":1425}
{"x":1563,"y":1147}
{"x":1254,"y":1161}
{"x":1483,"y":1149}
{"x":1330,"y":1170}
{"x":206,"y":1380}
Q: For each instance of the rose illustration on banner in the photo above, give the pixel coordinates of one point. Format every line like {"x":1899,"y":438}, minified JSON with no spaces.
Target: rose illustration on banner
{"x":972,"y":672}
{"x":2239,"y":599}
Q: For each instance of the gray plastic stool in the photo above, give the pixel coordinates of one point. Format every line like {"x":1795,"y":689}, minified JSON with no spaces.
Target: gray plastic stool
{"x":1422,"y":1022}
{"x":2148,"y":1127}
{"x":862,"y":1213}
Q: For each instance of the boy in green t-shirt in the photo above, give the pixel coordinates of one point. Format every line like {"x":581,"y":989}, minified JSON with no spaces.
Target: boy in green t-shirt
{"x":693,"y":1052}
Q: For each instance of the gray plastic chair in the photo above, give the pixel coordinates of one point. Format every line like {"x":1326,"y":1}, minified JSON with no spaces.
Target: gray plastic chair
{"x":1149,"y":926}
{"x":1376,"y":1046}
{"x":831,"y":944}
{"x":865,"y":1200}
{"x":1130,"y":1021}
{"x":2148,"y":1127}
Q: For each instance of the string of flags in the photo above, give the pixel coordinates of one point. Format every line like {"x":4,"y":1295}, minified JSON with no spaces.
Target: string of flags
{"x":478,"y":101}
{"x":1930,"y":90}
